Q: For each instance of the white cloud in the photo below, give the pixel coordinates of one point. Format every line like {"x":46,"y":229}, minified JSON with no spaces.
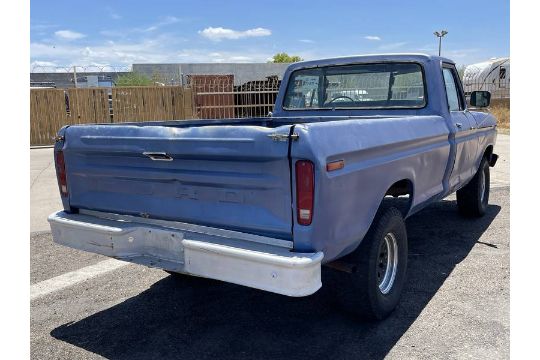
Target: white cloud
{"x":159,"y":49}
{"x":113,"y":33}
{"x":148,"y":30}
{"x":112,"y":53}
{"x":49,"y":67}
{"x":392,"y":46}
{"x":372,"y":37}
{"x":43,"y":66}
{"x":219,"y":33}
{"x":68,"y":35}
{"x":460,"y":53}
{"x":43,"y":63}
{"x":240,"y":58}
{"x":40,"y":26}
{"x":168,"y":20}
{"x":307,"y":41}
{"x":115,"y":16}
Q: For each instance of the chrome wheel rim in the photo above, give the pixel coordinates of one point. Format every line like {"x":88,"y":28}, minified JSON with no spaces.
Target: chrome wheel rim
{"x":387,"y":263}
{"x":482,"y":185}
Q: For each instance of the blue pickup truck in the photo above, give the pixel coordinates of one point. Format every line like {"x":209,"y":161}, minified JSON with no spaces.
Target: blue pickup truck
{"x":354,"y":146}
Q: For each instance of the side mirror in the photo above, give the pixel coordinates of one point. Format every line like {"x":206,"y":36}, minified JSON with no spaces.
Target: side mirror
{"x":480,"y":98}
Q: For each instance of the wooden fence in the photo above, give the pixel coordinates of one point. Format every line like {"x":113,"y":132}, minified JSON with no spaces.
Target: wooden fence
{"x":151,"y":103}
{"x":50,"y":109}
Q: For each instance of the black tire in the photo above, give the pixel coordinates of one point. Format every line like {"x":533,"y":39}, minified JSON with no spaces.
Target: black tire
{"x":473,"y":198}
{"x":359,"y":292}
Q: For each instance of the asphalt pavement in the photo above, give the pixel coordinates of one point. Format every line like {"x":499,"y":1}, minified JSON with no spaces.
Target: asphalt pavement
{"x":44,"y":194}
{"x":455,"y":302}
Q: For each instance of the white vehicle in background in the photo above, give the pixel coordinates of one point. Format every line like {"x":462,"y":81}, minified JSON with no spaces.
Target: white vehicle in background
{"x":492,"y":75}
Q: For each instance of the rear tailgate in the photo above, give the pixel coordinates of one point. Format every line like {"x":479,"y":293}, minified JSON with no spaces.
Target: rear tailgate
{"x":233,"y":177}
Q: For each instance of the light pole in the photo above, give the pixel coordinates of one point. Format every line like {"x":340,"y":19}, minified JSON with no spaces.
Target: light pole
{"x":440,"y":35}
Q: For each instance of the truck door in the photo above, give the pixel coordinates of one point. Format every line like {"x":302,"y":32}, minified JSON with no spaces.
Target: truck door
{"x":463,"y":131}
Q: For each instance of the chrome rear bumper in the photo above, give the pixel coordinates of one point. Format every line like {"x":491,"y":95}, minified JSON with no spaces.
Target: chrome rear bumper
{"x":250,"y":260}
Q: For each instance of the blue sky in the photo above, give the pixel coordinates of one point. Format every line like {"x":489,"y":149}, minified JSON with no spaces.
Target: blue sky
{"x":120,"y":33}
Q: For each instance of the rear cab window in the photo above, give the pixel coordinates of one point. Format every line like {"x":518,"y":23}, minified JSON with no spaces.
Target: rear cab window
{"x":359,"y":86}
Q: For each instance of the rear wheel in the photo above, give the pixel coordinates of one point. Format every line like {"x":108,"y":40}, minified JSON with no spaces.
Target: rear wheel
{"x":473,"y":198}
{"x":379,"y":265}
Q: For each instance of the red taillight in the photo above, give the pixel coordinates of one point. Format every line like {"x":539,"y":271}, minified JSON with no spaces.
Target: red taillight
{"x":305,"y":184}
{"x":61,"y":172}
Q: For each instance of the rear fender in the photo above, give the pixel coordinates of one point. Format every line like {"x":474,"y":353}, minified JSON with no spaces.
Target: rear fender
{"x":376,"y":155}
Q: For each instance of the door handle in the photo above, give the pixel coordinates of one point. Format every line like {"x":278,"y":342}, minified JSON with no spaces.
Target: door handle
{"x":158,"y":156}
{"x":459,"y":125}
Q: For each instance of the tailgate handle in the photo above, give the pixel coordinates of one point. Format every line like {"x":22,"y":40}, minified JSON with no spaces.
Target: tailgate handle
{"x":158,"y":156}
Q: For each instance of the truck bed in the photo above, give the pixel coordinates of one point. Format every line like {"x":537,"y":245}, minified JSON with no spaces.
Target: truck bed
{"x":227,"y":173}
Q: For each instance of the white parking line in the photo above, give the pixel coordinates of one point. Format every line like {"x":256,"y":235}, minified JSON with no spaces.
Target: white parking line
{"x":74,"y":277}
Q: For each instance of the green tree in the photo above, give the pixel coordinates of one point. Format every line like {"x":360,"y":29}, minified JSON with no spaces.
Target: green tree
{"x":133,"y":79}
{"x":285,"y":58}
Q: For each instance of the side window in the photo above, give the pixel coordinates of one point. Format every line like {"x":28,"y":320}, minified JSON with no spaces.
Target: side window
{"x":502,"y":77}
{"x":502,"y":73}
{"x":452,"y":93}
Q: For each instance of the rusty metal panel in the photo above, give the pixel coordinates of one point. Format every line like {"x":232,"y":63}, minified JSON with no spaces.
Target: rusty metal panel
{"x":214,"y":96}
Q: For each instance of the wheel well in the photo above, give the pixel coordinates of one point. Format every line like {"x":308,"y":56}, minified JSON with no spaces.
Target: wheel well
{"x":400,"y":195}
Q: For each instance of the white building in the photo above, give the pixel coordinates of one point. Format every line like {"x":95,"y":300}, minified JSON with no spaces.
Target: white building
{"x":492,"y":75}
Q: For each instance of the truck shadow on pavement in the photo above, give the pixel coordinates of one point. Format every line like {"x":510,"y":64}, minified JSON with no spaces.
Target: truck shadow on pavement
{"x":198,"y":319}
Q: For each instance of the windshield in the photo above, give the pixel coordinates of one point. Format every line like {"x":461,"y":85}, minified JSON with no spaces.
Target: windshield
{"x":389,"y":85}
